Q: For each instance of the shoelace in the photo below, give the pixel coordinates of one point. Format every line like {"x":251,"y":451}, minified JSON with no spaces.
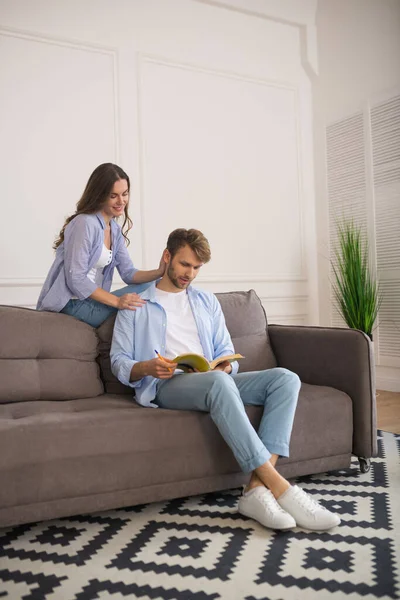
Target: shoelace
{"x":307,"y":502}
{"x":269,"y":502}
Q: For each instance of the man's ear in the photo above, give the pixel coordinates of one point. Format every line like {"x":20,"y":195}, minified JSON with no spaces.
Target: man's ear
{"x":166,"y":256}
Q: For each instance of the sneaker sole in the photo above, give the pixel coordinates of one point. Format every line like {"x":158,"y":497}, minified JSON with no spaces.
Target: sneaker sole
{"x":318,"y":528}
{"x":242,"y":512}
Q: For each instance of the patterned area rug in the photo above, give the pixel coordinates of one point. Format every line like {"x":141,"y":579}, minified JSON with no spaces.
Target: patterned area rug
{"x":199,"y":548}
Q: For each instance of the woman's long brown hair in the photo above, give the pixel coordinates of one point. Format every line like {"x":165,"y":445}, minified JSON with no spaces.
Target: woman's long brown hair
{"x":96,"y":194}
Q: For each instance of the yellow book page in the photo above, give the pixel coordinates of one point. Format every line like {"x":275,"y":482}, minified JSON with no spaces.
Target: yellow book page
{"x":230,"y":358}
{"x":186,"y":362}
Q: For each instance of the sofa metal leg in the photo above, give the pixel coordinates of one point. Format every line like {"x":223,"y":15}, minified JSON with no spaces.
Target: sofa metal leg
{"x":365,"y":464}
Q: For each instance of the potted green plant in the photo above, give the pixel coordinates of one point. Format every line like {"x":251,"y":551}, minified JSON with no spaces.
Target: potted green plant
{"x":357,"y":292}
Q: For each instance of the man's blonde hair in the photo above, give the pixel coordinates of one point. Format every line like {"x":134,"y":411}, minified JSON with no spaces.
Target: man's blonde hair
{"x":192,"y":238}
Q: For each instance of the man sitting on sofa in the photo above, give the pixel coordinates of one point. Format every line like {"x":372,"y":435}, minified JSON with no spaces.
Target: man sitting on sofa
{"x":178,"y":319}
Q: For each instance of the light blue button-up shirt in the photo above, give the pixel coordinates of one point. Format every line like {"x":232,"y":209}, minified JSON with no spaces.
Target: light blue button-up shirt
{"x":137,"y":334}
{"x":77,"y":255}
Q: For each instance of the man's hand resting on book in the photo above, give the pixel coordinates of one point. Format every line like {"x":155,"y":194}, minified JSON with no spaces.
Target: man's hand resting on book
{"x":224,"y":366}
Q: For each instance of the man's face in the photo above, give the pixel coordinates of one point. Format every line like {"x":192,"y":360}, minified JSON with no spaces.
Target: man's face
{"x":183,"y":268}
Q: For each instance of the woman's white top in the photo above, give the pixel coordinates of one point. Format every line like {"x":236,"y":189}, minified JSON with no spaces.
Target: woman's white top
{"x":96,"y":274}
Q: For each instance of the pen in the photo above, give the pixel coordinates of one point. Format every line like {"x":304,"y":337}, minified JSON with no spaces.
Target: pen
{"x":162,"y":358}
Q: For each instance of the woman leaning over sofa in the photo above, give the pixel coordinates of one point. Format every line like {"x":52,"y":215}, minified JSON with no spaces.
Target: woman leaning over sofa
{"x":90,"y":245}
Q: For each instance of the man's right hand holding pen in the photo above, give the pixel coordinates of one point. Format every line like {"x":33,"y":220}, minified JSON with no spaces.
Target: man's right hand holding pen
{"x":160,"y":368}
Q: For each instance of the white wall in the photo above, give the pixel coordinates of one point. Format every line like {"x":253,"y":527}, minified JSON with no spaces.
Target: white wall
{"x":359,"y":63}
{"x":206,"y":105}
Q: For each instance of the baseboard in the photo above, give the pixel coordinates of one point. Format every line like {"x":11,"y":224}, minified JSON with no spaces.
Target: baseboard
{"x":388,"y":384}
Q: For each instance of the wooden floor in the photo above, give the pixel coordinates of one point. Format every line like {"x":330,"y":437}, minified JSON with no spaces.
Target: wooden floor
{"x":388,"y":411}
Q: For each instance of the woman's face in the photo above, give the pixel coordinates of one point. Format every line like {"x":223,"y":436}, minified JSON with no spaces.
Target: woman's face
{"x":117,"y":200}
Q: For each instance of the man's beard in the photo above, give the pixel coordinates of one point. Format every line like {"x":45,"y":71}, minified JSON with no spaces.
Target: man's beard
{"x":174,"y":279}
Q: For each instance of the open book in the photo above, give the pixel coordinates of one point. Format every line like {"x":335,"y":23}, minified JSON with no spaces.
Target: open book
{"x":187,"y":362}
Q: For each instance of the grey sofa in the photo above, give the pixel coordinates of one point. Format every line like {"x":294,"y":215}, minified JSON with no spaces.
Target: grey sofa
{"x":73,"y":440}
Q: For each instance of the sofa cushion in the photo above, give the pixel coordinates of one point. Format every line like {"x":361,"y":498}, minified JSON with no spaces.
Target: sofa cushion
{"x":247,"y":323}
{"x":46,"y":356}
{"x":52,"y":450}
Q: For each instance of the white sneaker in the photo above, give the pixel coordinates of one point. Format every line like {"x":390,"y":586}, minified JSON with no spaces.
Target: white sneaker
{"x":259,"y":504}
{"x":306,"y":511}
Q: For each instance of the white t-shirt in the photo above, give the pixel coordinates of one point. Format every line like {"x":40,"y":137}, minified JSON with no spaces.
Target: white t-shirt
{"x":182,"y":335}
{"x":96,"y":274}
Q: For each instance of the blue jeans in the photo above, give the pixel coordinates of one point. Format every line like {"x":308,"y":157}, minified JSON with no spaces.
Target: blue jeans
{"x":224,"y":397}
{"x":95,"y":313}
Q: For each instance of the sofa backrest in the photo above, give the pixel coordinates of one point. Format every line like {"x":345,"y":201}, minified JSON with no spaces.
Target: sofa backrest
{"x":246,"y":322}
{"x":52,"y":356}
{"x":111,"y":383}
{"x":46,"y":356}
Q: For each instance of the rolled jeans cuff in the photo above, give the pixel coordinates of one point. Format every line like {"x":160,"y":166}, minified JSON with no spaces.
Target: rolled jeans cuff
{"x":255,"y":461}
{"x":279,"y":448}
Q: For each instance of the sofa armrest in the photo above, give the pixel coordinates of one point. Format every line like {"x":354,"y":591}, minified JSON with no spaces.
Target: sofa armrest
{"x":335,"y":357}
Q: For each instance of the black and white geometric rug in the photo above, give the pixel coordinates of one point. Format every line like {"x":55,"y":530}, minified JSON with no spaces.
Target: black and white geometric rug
{"x":199,"y":548}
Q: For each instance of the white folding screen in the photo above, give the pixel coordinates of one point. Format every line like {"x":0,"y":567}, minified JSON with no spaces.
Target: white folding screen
{"x":363,"y":177}
{"x":347,"y":189}
{"x":385,"y":135}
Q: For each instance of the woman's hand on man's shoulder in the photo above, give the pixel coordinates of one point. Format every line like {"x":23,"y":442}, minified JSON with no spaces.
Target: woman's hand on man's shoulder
{"x":130,"y":302}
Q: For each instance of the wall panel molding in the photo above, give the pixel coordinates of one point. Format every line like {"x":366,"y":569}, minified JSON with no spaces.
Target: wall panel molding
{"x":229,"y":74}
{"x":85,"y":47}
{"x":146,"y":58}
{"x":290,"y":12}
{"x":248,"y":278}
{"x":294,"y":298}
{"x":299,"y":319}
{"x":216,"y":278}
{"x":18,"y":282}
{"x":294,"y":14}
